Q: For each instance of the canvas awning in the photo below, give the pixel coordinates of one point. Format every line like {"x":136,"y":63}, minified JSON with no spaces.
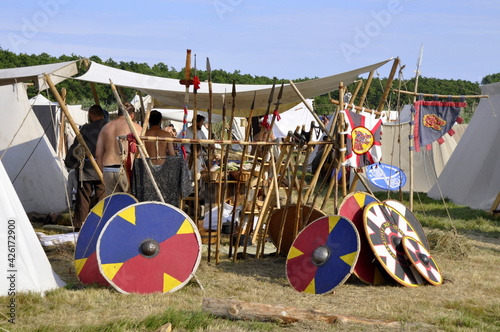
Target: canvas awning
{"x":169,"y":93}
{"x":58,"y":72}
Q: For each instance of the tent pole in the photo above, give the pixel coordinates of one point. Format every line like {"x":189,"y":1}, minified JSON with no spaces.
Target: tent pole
{"x":94,"y":93}
{"x":356,"y":91}
{"x":143,"y":110}
{"x":365,"y":90}
{"x":388,"y":84}
{"x":79,"y":137}
{"x":146,"y":118}
{"x":62,"y":138}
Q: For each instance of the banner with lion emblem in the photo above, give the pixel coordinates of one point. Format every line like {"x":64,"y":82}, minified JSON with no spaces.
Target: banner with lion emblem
{"x":433,"y":119}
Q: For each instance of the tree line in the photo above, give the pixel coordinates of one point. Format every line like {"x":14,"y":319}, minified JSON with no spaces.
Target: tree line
{"x":79,"y":92}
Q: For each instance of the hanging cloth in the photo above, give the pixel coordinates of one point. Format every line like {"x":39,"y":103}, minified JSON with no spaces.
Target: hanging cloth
{"x":363,"y":146}
{"x":433,"y":119}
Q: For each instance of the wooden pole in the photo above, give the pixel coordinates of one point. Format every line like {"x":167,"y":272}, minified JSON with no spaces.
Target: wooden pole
{"x":289,"y":200}
{"x":94,"y":93}
{"x":298,"y":215}
{"x":222,"y":174}
{"x":367,"y":87}
{"x":142,"y":110}
{"x":357,"y":108}
{"x":342,"y":140}
{"x":234,"y":309}
{"x":146,"y":118}
{"x":388,"y":84}
{"x":210,"y":134}
{"x":439,"y":96}
{"x":62,"y":129}
{"x":140,"y":144}
{"x":73,"y":125}
{"x":356,"y":91}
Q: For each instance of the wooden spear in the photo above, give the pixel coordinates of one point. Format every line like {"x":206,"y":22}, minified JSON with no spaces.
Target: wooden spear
{"x":254,"y":200}
{"x":242,"y":161}
{"x":210,"y":134}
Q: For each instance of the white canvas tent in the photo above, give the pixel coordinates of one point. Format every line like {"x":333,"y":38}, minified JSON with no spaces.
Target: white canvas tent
{"x":49,"y":115}
{"x":298,"y":115}
{"x":168,"y":93}
{"x":57,"y":72}
{"x":27,"y":155}
{"x":30,"y":270}
{"x":471,"y":176}
{"x":427,"y":165}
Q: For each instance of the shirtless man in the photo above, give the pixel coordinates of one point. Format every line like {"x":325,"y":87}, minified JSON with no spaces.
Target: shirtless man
{"x":109,"y":157}
{"x":158,"y":150}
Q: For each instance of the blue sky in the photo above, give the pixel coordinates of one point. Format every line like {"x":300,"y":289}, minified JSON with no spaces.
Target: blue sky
{"x":287,"y":39}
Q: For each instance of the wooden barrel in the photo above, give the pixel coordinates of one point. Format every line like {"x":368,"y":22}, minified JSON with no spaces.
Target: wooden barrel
{"x":290,"y":223}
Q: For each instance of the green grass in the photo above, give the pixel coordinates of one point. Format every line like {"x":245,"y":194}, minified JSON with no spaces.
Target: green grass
{"x":466,"y":248}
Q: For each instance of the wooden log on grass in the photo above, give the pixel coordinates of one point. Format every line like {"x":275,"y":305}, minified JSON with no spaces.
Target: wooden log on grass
{"x":234,"y":309}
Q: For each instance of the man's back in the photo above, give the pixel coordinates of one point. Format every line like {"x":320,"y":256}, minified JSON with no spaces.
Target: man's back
{"x":108,"y":150}
{"x":158,"y":151}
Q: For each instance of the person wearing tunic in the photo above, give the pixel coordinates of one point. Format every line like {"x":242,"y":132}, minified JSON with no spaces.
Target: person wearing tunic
{"x":89,"y":189}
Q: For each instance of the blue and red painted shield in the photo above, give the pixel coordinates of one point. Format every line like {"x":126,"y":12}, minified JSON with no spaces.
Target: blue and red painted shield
{"x":422,"y":260}
{"x":367,"y":268}
{"x":323,"y":255}
{"x":149,"y":247}
{"x":385,"y":228}
{"x":86,"y":265}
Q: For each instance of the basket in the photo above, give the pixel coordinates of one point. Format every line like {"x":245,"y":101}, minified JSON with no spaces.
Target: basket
{"x":241,"y":176}
{"x":210,"y":176}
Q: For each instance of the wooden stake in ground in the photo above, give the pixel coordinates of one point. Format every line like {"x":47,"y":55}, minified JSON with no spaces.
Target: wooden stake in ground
{"x":234,"y":309}
{"x":209,"y":157}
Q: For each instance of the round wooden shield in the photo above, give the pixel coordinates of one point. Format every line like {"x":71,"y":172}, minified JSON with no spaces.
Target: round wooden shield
{"x":410,"y":217}
{"x":86,"y":265}
{"x":422,"y":260}
{"x":385,"y":228}
{"x":385,"y":176}
{"x":367,"y":268}
{"x":290,"y":228}
{"x":323,"y":255}
{"x":149,"y":247}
